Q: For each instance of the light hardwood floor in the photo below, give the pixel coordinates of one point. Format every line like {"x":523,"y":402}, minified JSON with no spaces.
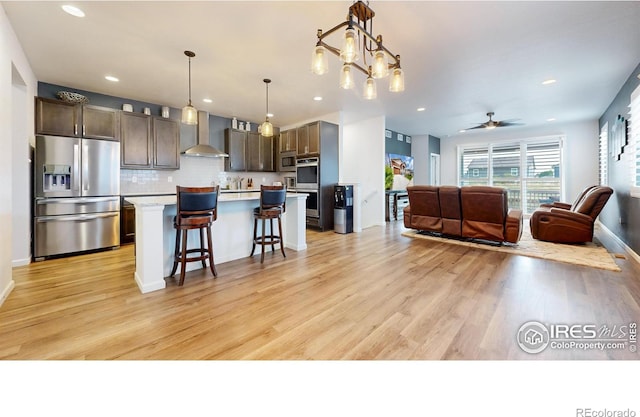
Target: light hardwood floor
{"x":370,"y":295}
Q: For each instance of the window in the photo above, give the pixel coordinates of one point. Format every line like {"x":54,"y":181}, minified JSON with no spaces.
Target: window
{"x":530,"y":170}
{"x":634,"y":142}
{"x":603,"y":158}
{"x":474,"y":166}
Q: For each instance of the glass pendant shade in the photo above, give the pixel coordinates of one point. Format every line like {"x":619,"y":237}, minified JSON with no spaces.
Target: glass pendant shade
{"x":189,"y":115}
{"x":349,"y":51}
{"x":370,"y":92}
{"x":396,"y":82}
{"x":346,"y":77}
{"x":380,"y":67}
{"x":266,"y":129}
{"x":319,"y":60}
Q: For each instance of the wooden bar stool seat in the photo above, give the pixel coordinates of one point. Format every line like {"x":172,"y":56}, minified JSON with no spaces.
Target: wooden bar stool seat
{"x":197,"y":209}
{"x":272,"y":206}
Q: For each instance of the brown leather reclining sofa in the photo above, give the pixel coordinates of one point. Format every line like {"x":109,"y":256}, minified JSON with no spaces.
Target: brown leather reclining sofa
{"x":476,"y":212}
{"x":570,"y":223}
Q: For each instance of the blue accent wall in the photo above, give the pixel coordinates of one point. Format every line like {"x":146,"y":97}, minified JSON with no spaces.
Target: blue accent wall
{"x":398,"y":147}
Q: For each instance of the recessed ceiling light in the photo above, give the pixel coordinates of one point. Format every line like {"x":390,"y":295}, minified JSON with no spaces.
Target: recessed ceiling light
{"x":207,"y":100}
{"x":420,"y":109}
{"x":461,"y":131}
{"x":551,"y":119}
{"x":549,"y":81}
{"x":317,"y":98}
{"x":73,"y":10}
{"x":111,"y":78}
{"x":269,"y":114}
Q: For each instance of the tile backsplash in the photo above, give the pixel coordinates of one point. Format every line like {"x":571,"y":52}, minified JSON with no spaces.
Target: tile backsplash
{"x":193,"y":172}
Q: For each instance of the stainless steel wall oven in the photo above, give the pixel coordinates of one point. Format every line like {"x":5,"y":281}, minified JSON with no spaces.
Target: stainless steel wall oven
{"x":307,"y":174}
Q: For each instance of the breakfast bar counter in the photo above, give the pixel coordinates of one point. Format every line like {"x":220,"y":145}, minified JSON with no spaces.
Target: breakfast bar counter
{"x":232,"y":232}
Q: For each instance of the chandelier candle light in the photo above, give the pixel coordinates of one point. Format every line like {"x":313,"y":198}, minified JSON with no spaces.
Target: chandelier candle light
{"x":358,"y":40}
{"x":189,"y":113}
{"x":266,"y":128}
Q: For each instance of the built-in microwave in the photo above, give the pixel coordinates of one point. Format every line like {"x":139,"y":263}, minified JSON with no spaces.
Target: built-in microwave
{"x":307,"y":173}
{"x":287,"y":161}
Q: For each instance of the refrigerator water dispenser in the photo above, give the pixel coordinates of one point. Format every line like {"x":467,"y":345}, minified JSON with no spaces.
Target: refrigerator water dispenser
{"x":56,"y":177}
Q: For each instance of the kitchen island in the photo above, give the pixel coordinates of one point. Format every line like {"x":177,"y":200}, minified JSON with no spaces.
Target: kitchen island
{"x":232,"y":232}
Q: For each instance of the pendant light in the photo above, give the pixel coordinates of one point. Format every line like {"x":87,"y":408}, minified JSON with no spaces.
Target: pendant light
{"x":370,"y":92}
{"x":346,"y":78}
{"x":319,"y":60}
{"x":266,"y":128}
{"x":189,"y":113}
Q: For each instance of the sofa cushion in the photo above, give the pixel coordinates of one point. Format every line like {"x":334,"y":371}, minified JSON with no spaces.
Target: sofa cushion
{"x":450,"y":210}
{"x":484,"y":211}
{"x":424,"y":206}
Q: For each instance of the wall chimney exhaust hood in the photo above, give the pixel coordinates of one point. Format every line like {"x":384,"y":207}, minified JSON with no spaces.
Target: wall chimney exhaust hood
{"x":203,"y":149}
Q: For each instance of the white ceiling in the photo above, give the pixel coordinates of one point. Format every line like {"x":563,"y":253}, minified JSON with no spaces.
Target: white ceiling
{"x":461,"y":59}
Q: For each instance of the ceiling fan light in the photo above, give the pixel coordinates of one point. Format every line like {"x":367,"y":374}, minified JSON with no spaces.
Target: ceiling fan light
{"x":396,"y":82}
{"x":349,"y":51}
{"x":319,"y":60}
{"x":380,"y":67}
{"x":370,"y":92}
{"x":189,"y":115}
{"x":346,"y":77}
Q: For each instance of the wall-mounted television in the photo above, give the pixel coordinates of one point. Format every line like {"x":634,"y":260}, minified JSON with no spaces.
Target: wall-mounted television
{"x":398,"y":171}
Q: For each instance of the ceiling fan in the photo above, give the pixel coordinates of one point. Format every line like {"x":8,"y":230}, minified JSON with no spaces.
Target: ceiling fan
{"x":492,"y":124}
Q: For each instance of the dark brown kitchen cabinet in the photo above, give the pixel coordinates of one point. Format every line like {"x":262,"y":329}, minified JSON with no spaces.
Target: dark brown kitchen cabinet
{"x":166,"y":143}
{"x":149,"y":142}
{"x":100,"y":123}
{"x":249,"y":151}
{"x":127,"y":222}
{"x":308,"y":139}
{"x":288,"y":141}
{"x":135,"y":141}
{"x":235,"y":144}
{"x":260,"y":153}
{"x":55,"y":117}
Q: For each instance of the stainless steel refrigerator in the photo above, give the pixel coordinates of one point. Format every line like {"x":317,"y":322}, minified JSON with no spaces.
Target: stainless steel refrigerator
{"x":77,"y":195}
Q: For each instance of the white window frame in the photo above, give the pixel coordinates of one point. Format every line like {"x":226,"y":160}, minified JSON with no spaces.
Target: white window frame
{"x":523,"y":145}
{"x":634,"y":141}
{"x":603,"y":161}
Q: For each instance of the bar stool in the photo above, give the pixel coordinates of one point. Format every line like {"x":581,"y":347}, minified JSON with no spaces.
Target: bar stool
{"x":197,"y":209}
{"x":272,"y":205}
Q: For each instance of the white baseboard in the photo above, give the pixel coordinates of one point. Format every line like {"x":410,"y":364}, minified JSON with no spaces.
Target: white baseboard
{"x":615,"y":237}
{"x":20,"y":262}
{"x":7,"y":291}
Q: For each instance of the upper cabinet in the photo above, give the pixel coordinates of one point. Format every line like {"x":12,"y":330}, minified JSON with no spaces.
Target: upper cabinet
{"x":288,"y":141}
{"x":149,"y":142}
{"x":308,"y":139}
{"x":260,"y":153}
{"x":249,"y":151}
{"x":55,"y":117}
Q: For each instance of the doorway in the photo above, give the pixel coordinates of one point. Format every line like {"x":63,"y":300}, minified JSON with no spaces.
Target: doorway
{"x":434,"y":169}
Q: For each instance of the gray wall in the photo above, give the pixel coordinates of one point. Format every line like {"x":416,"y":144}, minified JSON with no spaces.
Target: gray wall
{"x":621,"y":215}
{"x":398,"y":147}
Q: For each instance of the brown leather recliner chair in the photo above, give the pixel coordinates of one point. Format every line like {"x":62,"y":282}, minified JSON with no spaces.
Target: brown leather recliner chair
{"x":423,"y":211}
{"x":564,"y":223}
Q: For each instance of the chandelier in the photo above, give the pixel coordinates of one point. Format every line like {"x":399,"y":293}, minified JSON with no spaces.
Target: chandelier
{"x":377,"y":60}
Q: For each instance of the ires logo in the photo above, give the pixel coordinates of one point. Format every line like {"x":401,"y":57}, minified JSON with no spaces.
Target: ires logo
{"x":534,"y":336}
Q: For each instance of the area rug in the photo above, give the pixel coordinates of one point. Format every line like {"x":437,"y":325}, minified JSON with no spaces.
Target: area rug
{"x":591,"y":254}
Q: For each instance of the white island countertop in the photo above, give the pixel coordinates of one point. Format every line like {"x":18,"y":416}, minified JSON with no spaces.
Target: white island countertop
{"x":232,"y":233}
{"x":165,"y":200}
